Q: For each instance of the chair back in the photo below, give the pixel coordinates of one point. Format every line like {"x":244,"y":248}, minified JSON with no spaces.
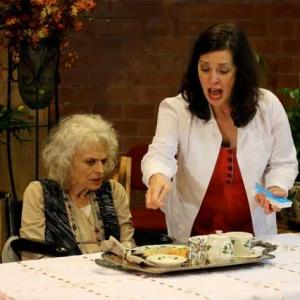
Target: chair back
{"x":136,"y":153}
{"x":149,"y":225}
{"x":123,"y":174}
{"x":143,"y":219}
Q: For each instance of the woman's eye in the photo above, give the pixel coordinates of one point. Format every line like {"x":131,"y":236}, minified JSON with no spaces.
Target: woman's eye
{"x":204,"y":69}
{"x":90,"y":162}
{"x":224,"y":70}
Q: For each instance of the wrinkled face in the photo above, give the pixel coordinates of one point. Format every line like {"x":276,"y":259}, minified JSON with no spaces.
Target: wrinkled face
{"x":216,"y":73}
{"x":88,"y":167}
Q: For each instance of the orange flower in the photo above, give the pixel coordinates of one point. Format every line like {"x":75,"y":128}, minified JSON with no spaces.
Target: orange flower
{"x":74,"y":10}
{"x":43,"y":33}
{"x":11,"y":21}
{"x":77,"y":25}
{"x":57,"y":15}
{"x":44,"y":2}
{"x":85,"y":4}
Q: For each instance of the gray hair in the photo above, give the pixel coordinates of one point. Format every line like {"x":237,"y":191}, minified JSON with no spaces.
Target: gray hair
{"x":74,"y":133}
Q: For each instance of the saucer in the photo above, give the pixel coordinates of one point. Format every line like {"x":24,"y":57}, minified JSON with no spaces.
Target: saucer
{"x":166,"y":260}
{"x":253,"y":254}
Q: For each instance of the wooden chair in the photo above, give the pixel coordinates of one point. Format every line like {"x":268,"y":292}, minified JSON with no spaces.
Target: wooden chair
{"x":123,"y":175}
{"x":143,"y":235}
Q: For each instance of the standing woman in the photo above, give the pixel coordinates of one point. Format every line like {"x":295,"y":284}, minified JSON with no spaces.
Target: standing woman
{"x":215,"y":140}
{"x":76,"y":206}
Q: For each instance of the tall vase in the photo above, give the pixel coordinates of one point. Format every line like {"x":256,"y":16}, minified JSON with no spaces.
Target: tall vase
{"x":38,"y":74}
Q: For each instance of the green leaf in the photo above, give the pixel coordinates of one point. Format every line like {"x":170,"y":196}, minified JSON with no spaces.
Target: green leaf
{"x":12,"y":120}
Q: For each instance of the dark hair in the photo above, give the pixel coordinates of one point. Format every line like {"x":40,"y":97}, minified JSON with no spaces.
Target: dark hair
{"x":245,"y":91}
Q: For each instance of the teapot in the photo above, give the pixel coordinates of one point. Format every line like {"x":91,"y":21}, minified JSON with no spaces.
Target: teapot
{"x":219,"y":248}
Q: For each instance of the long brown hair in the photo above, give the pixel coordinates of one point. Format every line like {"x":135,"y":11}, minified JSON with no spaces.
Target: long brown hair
{"x":245,"y":91}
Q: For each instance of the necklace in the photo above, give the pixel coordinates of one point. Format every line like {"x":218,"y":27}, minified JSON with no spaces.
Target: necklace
{"x":77,"y":230}
{"x":98,"y":223}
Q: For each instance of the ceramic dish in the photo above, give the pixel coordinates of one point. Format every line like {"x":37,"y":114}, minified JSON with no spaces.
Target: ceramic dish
{"x":253,"y":254}
{"x":166,"y":260}
{"x":170,"y":249}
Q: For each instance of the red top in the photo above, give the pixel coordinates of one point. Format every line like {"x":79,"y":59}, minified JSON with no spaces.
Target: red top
{"x":225,"y":205}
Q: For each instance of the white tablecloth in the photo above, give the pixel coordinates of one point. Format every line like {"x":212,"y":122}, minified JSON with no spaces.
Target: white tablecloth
{"x":79,"y":277}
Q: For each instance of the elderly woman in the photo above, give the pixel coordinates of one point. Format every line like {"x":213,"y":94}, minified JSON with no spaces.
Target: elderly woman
{"x":76,"y":206}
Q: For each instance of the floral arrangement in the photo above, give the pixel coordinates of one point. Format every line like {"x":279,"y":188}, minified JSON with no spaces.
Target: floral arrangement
{"x":33,"y":21}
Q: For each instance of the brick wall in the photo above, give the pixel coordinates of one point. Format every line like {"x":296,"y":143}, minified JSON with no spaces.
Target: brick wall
{"x":133,"y":54}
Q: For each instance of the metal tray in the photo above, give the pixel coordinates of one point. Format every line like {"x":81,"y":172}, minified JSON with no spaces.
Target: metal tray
{"x":110,"y":260}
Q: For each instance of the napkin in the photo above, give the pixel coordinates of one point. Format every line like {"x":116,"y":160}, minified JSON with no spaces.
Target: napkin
{"x":114,"y":246}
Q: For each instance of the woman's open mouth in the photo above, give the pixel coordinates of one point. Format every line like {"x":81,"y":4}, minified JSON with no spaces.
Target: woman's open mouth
{"x":215,"y":94}
{"x":96,"y":181}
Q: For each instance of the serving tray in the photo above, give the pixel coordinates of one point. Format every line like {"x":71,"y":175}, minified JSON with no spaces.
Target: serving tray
{"x":110,"y":260}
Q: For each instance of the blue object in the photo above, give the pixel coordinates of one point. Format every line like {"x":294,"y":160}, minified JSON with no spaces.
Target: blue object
{"x":281,"y":202}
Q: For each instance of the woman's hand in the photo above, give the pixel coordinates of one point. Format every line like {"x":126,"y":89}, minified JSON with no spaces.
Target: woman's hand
{"x":159,"y":187}
{"x":265,"y":203}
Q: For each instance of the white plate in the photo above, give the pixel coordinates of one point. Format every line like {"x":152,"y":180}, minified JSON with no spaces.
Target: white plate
{"x":165,"y":260}
{"x":170,"y":249}
{"x":253,"y":254}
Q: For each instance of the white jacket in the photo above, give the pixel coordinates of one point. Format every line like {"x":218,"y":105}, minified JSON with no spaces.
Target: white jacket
{"x":265,"y":152}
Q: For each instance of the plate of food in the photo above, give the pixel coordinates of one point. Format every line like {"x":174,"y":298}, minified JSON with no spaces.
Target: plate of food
{"x":165,"y":249}
{"x":166,"y":260}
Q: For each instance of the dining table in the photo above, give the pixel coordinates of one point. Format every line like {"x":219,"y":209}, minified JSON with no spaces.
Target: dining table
{"x":79,"y":277}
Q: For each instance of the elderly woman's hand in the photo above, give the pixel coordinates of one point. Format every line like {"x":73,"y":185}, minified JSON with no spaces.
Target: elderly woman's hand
{"x":159,"y":187}
{"x":265,"y":203}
